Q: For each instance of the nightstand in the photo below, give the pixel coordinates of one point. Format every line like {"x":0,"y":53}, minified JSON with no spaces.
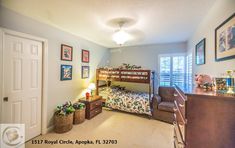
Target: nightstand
{"x":93,"y":106}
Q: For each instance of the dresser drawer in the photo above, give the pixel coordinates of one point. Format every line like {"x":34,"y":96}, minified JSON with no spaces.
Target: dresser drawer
{"x":179,"y":131}
{"x":180,"y":101}
{"x":179,"y":98}
{"x":177,"y":144}
{"x":178,"y":116}
{"x":95,"y":104}
{"x":94,"y":112}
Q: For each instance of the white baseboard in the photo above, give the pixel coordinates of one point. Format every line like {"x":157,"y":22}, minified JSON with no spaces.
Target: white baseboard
{"x":49,"y":129}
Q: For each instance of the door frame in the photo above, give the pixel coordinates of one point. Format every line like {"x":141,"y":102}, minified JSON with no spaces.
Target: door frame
{"x":3,"y":33}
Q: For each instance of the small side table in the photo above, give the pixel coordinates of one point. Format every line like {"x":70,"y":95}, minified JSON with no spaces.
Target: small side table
{"x":93,"y":106}
{"x":103,"y":102}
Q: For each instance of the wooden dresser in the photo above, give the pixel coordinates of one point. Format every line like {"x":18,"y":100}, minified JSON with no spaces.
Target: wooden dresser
{"x":203,"y":119}
{"x":93,"y":106}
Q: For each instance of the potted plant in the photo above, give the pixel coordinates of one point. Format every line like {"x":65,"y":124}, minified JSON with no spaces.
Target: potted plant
{"x":79,"y":114}
{"x":63,"y":118}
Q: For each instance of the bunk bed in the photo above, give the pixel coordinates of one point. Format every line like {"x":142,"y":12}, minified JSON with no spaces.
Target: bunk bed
{"x":126,"y":100}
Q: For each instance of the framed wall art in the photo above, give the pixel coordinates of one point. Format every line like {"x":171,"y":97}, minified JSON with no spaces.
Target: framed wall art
{"x":66,"y":72}
{"x":85,"y":72}
{"x":200,"y":52}
{"x":66,"y":52}
{"x":225,"y":40}
{"x":85,"y":56}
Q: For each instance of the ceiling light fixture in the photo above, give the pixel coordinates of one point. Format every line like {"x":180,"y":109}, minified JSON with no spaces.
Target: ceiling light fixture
{"x":120,"y":36}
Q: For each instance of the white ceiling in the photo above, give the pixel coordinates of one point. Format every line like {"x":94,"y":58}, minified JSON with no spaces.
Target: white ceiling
{"x":155,"y":21}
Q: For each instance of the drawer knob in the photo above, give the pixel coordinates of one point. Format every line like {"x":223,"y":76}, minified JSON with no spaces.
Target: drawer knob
{"x":175,"y":109}
{"x":180,"y":144}
{"x":175,"y":95}
{"x":181,"y":105}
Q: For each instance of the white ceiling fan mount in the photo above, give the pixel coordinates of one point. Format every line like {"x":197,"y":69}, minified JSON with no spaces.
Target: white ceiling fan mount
{"x":121,"y":36}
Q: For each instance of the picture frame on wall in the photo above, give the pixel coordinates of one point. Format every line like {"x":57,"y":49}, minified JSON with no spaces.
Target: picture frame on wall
{"x":200,"y":53}
{"x":85,"y":72}
{"x":66,"y":72}
{"x":225,"y":40}
{"x":66,"y":52}
{"x":85,"y":56}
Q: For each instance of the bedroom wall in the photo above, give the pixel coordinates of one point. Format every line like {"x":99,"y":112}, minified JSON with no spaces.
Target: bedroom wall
{"x":145,"y":56}
{"x":58,"y":91}
{"x":219,"y":12}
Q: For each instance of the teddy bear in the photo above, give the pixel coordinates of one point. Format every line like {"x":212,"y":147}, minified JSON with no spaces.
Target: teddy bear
{"x":201,"y":79}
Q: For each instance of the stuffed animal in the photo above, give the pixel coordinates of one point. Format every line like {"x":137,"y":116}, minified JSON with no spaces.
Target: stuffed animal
{"x":201,"y":79}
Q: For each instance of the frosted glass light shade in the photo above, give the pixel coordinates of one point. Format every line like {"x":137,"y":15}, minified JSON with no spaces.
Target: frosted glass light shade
{"x":92,"y":86}
{"x":120,"y":37}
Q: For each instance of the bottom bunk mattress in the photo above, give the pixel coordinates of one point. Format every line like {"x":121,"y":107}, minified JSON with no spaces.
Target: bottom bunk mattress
{"x":125,"y":100}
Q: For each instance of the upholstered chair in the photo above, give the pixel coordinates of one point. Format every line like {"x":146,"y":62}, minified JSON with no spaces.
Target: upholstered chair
{"x":163,"y":104}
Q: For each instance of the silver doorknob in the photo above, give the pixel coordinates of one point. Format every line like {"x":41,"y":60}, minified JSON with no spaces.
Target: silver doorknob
{"x":5,"y":99}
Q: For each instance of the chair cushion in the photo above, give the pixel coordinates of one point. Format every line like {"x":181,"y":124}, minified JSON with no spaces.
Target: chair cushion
{"x":166,"y":93}
{"x":166,"y":106}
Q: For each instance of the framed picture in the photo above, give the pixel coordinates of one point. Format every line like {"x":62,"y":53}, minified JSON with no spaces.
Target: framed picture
{"x":66,"y":52}
{"x":85,"y":56}
{"x":201,"y":52}
{"x":220,"y":83}
{"x":66,"y":72}
{"x":85,"y":72}
{"x":225,"y":40}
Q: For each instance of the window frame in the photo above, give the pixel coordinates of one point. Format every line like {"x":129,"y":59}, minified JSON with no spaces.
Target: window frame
{"x":189,"y":70}
{"x":171,"y":67}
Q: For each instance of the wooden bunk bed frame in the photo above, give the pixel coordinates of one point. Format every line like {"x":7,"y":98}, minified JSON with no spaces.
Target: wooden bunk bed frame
{"x":122,"y":75}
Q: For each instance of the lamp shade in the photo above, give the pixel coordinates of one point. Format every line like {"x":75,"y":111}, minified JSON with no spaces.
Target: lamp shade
{"x":120,"y":37}
{"x":92,"y":86}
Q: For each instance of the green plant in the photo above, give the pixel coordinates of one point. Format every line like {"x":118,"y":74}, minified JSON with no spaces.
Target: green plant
{"x":78,"y":105}
{"x":65,"y":109}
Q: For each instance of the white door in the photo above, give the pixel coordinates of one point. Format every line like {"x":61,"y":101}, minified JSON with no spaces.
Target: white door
{"x":22,"y":83}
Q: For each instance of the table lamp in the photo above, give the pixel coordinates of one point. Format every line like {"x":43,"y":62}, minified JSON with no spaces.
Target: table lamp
{"x":92,"y":87}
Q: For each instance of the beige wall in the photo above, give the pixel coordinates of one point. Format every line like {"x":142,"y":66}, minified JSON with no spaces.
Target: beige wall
{"x":145,"y":56}
{"x":219,"y":12}
{"x":58,"y":91}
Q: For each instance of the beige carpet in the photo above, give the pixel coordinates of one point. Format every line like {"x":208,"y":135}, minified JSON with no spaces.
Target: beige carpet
{"x":130,"y":131}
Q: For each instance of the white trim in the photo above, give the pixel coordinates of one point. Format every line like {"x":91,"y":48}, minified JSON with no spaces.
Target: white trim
{"x":49,"y":129}
{"x":3,"y":32}
{"x":1,"y":73}
{"x":172,"y":54}
{"x":45,"y":87}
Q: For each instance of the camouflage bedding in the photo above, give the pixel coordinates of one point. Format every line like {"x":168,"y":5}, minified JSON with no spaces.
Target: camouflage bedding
{"x":129,"y":101}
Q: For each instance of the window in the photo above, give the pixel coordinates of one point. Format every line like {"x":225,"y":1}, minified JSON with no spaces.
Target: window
{"x":165,"y":71}
{"x":174,"y":69}
{"x":178,"y":70}
{"x":189,"y":69}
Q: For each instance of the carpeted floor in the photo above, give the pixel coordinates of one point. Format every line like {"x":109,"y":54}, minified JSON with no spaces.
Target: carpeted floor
{"x":129,"y":131}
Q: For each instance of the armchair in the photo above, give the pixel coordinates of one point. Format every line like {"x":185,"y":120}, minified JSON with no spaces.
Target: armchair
{"x":163,"y":104}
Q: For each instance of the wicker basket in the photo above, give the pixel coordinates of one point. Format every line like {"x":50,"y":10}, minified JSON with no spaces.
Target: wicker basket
{"x":63,"y":124}
{"x":79,"y":116}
